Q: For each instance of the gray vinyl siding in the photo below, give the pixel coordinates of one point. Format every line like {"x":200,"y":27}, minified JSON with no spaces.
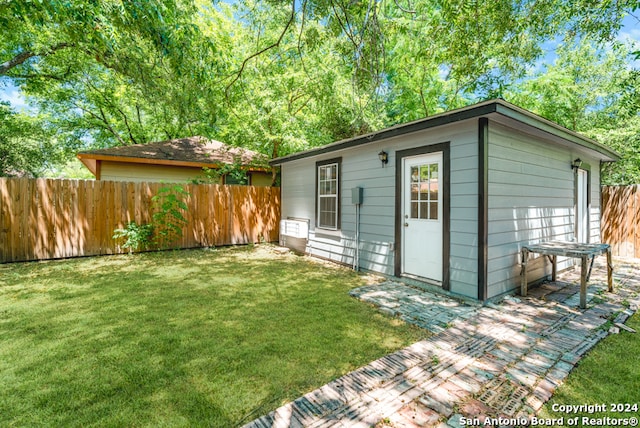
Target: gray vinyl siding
{"x":361,"y":168}
{"x":531,"y":199}
{"x":531,"y":190}
{"x":464,"y":214}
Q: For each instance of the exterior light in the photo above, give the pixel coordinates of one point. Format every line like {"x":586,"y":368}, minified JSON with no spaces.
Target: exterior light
{"x":576,"y":164}
{"x":384,"y":157}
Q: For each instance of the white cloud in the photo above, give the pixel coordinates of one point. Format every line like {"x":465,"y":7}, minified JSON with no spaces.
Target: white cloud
{"x":12,"y":94}
{"x":632,"y":34}
{"x":630,"y":29}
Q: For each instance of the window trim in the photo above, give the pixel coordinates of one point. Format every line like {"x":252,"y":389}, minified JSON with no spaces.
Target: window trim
{"x":338,"y":162}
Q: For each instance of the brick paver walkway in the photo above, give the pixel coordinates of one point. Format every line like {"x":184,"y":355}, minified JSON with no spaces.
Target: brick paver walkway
{"x":431,"y":311}
{"x":502,"y":359}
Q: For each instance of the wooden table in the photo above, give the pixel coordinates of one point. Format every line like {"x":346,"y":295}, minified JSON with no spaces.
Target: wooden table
{"x":584,"y":252}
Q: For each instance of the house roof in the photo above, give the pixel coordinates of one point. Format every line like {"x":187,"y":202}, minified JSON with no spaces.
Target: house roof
{"x":192,"y":151}
{"x":497,"y":108}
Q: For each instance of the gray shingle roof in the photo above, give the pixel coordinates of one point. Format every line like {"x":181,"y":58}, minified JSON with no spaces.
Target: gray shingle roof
{"x":192,"y":149}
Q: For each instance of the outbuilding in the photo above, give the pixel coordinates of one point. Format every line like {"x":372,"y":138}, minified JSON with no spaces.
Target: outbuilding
{"x":175,"y":161}
{"x":447,"y":201}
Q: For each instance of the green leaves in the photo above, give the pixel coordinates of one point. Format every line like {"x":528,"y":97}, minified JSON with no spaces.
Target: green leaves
{"x":592,"y":91}
{"x":112,"y":72}
{"x":282,"y":76}
{"x":168,"y":217}
{"x":27,"y":146}
{"x":135,"y":236}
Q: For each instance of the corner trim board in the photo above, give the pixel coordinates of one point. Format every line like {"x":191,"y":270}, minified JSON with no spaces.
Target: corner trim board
{"x":483,"y":206}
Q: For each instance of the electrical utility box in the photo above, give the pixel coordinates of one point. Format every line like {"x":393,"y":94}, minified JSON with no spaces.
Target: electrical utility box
{"x":356,"y":195}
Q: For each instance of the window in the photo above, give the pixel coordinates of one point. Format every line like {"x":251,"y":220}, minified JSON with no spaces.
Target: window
{"x":328,"y":194}
{"x":424,"y":191}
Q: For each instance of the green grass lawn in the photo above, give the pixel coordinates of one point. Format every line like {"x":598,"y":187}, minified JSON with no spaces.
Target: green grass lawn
{"x":185,"y":338}
{"x":609,"y":374}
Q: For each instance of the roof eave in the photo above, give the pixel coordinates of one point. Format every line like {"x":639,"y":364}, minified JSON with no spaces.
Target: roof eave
{"x":394,"y":131}
{"x":531,"y":119}
{"x":477,"y":110}
{"x":91,"y":158}
{"x":90,"y":163}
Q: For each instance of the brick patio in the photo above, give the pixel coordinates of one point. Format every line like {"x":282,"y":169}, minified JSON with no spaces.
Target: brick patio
{"x":503,"y":359}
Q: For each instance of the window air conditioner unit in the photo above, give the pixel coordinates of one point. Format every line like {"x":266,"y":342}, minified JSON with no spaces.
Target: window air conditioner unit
{"x":294,"y":228}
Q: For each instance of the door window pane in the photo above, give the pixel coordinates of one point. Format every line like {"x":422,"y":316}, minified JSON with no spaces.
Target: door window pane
{"x":433,"y":190}
{"x":424,"y":173}
{"x":424,"y":191}
{"x":433,"y":211}
{"x":424,"y":210}
{"x":414,"y":174}
{"x":424,"y":185}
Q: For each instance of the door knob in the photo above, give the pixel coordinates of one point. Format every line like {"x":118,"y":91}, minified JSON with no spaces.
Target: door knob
{"x":406,"y":225}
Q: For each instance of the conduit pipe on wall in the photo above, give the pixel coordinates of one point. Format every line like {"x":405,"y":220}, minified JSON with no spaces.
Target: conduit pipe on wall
{"x":356,"y":198}
{"x":356,"y":258}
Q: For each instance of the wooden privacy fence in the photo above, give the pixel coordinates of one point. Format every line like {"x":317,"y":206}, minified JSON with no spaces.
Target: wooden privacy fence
{"x":47,"y":219}
{"x":621,"y":219}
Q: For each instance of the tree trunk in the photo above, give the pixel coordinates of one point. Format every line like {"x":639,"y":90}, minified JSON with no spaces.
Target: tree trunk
{"x":274,"y":170}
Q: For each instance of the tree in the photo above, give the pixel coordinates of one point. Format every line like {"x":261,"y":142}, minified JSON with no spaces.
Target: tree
{"x":475,"y":47}
{"x":278,"y":76}
{"x":297,"y":96}
{"x":121,"y":72}
{"x":51,"y":40}
{"x":625,"y":139}
{"x":592,"y":91}
{"x":27,"y":146}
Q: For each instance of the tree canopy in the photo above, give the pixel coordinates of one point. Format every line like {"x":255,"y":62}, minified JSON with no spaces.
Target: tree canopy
{"x":281,"y":76}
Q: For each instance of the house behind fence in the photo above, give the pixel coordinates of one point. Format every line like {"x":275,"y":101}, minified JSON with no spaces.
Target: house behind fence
{"x":48,"y":219}
{"x":621,"y":219}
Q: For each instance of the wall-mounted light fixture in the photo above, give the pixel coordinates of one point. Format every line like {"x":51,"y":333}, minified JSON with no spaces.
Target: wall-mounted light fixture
{"x":577,"y":163}
{"x":384,"y":157}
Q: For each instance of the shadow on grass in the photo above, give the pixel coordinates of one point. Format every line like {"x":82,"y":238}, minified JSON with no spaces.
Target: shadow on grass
{"x":179,"y":338}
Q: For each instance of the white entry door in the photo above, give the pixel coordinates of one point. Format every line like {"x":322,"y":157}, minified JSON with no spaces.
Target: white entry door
{"x":422,"y":216}
{"x":582,"y":207}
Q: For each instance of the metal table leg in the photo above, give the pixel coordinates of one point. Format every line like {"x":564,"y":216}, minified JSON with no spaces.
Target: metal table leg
{"x":583,"y":281}
{"x":523,"y":283}
{"x":609,"y":270}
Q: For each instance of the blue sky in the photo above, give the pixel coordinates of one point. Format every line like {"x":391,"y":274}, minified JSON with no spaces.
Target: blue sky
{"x":630,"y":31}
{"x":10,"y":93}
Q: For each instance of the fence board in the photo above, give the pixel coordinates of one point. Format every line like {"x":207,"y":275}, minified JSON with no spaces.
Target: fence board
{"x":45,"y":219}
{"x":621,"y":219}
{"x":636,"y":216}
